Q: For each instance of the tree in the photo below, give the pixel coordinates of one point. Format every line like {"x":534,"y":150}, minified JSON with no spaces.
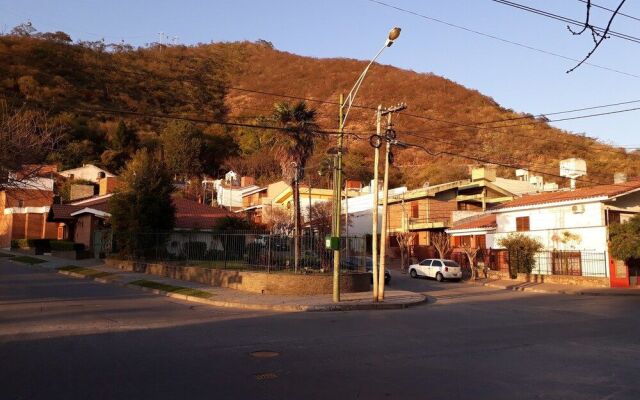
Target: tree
{"x":522,"y":250}
{"x":405,"y":241}
{"x":142,"y":203}
{"x":280,"y":221}
{"x":122,"y":138}
{"x":182,"y":146}
{"x":624,"y":239}
{"x":26,"y":138}
{"x":471,"y":254}
{"x":293,"y":149}
{"x":441,"y":242}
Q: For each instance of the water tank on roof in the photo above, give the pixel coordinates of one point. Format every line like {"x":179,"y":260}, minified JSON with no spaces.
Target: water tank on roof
{"x":573,"y":168}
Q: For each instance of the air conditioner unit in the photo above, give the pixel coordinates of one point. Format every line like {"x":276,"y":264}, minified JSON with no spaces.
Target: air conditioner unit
{"x":577,"y":209}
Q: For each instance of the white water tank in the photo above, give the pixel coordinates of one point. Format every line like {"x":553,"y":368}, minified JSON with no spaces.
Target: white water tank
{"x":573,"y":168}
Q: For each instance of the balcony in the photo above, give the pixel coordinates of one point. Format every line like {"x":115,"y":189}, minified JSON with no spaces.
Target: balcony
{"x":422,"y":223}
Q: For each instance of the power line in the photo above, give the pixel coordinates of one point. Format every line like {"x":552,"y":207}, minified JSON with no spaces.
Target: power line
{"x":566,"y":20}
{"x":209,"y":121}
{"x":610,"y":10}
{"x":500,"y":39}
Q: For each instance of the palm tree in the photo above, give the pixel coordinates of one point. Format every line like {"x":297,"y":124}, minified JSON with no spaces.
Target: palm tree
{"x":293,"y":151}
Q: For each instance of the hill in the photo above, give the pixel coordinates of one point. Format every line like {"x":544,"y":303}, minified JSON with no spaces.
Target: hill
{"x":72,"y":80}
{"x":442,"y":115}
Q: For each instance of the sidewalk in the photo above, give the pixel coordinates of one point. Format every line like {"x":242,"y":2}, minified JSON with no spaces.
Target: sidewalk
{"x":224,"y":297}
{"x":556,"y":288}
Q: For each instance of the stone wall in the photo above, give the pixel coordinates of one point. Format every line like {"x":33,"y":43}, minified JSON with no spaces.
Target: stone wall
{"x":252,"y":281}
{"x":556,"y":279}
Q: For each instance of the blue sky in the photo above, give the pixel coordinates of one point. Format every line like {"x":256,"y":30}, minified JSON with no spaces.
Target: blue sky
{"x":517,"y":78}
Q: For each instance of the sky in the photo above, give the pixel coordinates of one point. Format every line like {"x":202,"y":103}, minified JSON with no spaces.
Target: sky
{"x":521,"y":79}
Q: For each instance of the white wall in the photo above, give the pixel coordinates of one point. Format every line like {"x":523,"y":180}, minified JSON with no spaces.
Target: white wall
{"x":545,"y":222}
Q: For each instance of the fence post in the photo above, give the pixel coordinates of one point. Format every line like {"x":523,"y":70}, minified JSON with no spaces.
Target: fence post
{"x":269,"y":255}
{"x":224,"y":250}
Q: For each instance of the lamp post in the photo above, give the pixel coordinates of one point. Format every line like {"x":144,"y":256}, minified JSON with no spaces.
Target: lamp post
{"x":345,"y":106}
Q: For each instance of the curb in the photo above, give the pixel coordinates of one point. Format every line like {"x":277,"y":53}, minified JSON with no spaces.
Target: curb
{"x":261,"y":307}
{"x":566,"y":292}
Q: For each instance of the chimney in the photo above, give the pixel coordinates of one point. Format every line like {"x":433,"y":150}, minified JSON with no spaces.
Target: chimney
{"x":247,"y":181}
{"x":107,"y":185}
{"x":619,"y":177}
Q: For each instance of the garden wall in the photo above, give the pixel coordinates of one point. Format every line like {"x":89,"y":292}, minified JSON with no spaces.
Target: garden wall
{"x":556,"y":279}
{"x":252,"y":281}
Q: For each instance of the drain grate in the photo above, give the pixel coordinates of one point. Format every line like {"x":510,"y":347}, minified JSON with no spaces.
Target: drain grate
{"x":266,"y":376}
{"x":264,"y":354}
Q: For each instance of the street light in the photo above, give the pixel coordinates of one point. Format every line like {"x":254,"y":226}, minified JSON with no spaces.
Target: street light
{"x":345,"y":107}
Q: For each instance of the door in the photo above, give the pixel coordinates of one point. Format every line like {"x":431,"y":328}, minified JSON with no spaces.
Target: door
{"x":435,"y":268}
{"x":423,"y":268}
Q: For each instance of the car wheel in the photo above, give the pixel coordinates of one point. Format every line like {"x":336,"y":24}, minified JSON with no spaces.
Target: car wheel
{"x":413,"y":273}
{"x":439,"y":277}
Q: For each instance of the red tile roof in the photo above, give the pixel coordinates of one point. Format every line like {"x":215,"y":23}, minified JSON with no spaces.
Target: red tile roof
{"x":572,"y":195}
{"x":64,"y":211}
{"x":194,"y":215}
{"x":476,"y":222}
{"x":189,"y":214}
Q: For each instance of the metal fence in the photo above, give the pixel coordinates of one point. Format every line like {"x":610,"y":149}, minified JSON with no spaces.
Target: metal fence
{"x":240,"y":250}
{"x":551,"y":262}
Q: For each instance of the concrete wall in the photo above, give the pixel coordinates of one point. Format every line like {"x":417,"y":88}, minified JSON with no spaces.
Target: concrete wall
{"x":255,"y":282}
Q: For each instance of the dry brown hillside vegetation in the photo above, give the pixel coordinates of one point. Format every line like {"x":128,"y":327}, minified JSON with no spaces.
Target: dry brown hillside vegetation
{"x":71,"y":81}
{"x":442,"y":118}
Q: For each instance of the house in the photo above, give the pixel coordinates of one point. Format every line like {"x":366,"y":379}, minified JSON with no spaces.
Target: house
{"x":82,"y":221}
{"x":572,"y":224}
{"x":88,"y":172}
{"x":23,"y":211}
{"x":229,"y":192}
{"x":436,"y":208}
{"x":256,"y":203}
{"x":358,"y":210}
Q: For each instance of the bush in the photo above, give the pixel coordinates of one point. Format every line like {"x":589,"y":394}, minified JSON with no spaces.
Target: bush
{"x":194,"y":250}
{"x":522,"y":250}
{"x":254,"y":252}
{"x":21,"y":243}
{"x":65,"y":245}
{"x":624,"y":239}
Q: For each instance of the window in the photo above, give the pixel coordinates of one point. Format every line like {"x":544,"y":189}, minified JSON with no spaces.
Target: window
{"x":436,"y":263}
{"x":481,"y":241}
{"x":415,"y":211}
{"x":20,"y":203}
{"x":450,"y":263}
{"x":522,"y":224}
{"x":425,"y":263}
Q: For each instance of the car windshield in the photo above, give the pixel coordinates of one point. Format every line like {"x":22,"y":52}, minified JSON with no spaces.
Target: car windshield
{"x":450,"y":263}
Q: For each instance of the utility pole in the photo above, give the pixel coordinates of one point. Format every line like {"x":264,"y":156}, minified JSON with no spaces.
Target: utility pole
{"x":374,"y":210}
{"x":390,"y":137}
{"x":337,"y":206}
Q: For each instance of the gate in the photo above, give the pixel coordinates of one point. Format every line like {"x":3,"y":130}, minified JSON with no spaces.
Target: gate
{"x":102,"y":243}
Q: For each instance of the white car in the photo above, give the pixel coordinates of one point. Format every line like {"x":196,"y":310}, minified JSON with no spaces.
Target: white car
{"x":436,"y":268}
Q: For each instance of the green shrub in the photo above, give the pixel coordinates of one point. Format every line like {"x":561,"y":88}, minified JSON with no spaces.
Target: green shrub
{"x":194,"y":250}
{"x":65,"y":245}
{"x":22,"y":243}
{"x":522,"y":250}
{"x":624,"y":239}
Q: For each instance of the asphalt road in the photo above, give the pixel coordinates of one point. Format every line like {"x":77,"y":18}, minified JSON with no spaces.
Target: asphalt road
{"x":62,"y":338}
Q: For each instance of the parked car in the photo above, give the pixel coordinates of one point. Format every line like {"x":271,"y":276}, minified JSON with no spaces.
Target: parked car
{"x":355,"y":262}
{"x":437,"y":268}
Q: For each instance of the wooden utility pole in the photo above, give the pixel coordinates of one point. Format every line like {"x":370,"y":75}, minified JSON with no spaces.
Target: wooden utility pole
{"x":390,"y":138}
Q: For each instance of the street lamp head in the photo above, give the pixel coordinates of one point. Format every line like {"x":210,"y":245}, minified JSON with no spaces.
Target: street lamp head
{"x":393,"y":35}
